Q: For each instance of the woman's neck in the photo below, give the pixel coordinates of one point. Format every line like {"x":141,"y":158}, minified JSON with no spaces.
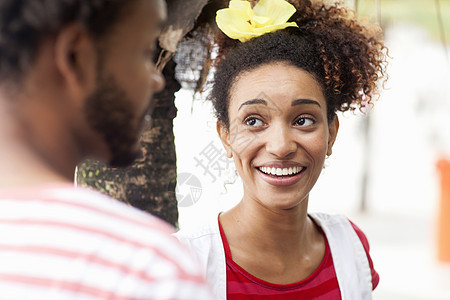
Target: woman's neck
{"x":253,"y":218}
{"x":278,"y":228}
{"x":288,"y":239}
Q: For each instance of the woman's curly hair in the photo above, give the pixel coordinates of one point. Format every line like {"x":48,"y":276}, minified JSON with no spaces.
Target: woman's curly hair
{"x":24,"y":24}
{"x":346,"y":58}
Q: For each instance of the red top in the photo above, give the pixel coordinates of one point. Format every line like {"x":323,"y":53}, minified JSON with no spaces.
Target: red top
{"x":322,"y":284}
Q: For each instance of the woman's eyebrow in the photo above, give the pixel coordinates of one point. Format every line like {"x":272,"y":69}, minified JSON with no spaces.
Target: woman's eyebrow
{"x":253,"y":101}
{"x":304,"y":101}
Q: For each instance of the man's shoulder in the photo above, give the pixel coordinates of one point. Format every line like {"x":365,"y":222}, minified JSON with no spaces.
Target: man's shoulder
{"x":85,"y":212}
{"x":92,"y":204}
{"x":76,"y":230}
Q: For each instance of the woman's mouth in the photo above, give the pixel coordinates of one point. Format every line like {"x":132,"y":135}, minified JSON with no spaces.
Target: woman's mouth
{"x":281,"y":172}
{"x":281,"y":176}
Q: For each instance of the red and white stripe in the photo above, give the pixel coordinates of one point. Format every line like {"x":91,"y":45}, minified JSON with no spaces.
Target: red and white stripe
{"x":66,"y":243}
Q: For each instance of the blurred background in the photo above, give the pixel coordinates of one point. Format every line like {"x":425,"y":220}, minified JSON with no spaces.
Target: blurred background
{"x":383,"y":173}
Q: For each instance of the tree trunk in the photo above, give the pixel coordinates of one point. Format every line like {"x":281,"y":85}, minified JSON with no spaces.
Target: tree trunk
{"x":149,"y":184}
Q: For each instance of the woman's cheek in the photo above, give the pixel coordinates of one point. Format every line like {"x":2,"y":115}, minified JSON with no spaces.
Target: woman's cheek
{"x":242,"y":142}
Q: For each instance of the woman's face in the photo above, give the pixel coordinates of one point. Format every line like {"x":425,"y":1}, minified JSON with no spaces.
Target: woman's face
{"x":278,"y":134}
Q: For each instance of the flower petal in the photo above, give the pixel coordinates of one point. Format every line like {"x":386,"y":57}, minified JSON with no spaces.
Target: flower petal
{"x":240,"y":22}
{"x":261,"y":21}
{"x":278,"y":10}
{"x":272,"y":28}
{"x":235,"y":23}
{"x":239,"y":4}
{"x":243,"y":5}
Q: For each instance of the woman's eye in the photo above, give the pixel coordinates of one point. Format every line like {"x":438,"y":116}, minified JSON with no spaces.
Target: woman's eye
{"x":254,"y":122}
{"x":304,"y":122}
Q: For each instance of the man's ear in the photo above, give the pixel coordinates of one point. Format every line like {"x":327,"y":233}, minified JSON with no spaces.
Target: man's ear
{"x":333,"y":128}
{"x":76,"y":60}
{"x":224,"y":137}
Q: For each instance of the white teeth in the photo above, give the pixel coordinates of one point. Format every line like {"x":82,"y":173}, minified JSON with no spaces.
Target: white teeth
{"x":281,"y":171}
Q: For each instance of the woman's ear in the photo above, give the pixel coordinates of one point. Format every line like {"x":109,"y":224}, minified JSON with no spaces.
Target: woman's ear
{"x":333,"y":128}
{"x":224,"y":137}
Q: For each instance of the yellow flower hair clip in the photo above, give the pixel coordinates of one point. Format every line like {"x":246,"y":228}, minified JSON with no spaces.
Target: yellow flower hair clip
{"x":239,"y":21}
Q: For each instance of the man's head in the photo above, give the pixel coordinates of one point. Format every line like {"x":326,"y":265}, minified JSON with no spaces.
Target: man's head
{"x":89,"y":62}
{"x":25,"y":24}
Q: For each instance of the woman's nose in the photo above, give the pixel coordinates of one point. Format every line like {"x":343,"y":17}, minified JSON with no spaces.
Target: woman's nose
{"x":280,"y":142}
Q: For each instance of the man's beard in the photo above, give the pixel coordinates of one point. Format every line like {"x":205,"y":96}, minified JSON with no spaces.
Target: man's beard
{"x":109,"y":112}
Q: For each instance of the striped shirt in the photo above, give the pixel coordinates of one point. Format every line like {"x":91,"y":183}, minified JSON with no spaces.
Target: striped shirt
{"x":321,"y":285}
{"x":58,"y":242}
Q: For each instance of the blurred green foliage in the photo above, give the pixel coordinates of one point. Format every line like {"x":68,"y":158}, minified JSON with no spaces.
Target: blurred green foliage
{"x":417,"y":12}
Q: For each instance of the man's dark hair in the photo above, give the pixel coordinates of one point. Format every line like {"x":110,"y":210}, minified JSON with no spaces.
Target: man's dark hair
{"x":24,"y":24}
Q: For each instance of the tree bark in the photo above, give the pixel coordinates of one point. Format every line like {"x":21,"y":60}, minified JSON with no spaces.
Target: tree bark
{"x":149,"y":184}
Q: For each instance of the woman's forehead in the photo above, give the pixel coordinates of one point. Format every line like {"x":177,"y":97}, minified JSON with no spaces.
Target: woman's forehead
{"x":275,"y":82}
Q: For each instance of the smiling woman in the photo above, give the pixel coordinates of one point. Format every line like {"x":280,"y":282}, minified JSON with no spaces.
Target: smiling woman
{"x":282,"y":73}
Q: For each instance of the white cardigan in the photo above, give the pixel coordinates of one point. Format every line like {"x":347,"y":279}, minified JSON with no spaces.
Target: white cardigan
{"x":349,"y":257}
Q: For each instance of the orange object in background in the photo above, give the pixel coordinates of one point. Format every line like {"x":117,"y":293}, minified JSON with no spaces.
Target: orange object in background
{"x":444,"y":212}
